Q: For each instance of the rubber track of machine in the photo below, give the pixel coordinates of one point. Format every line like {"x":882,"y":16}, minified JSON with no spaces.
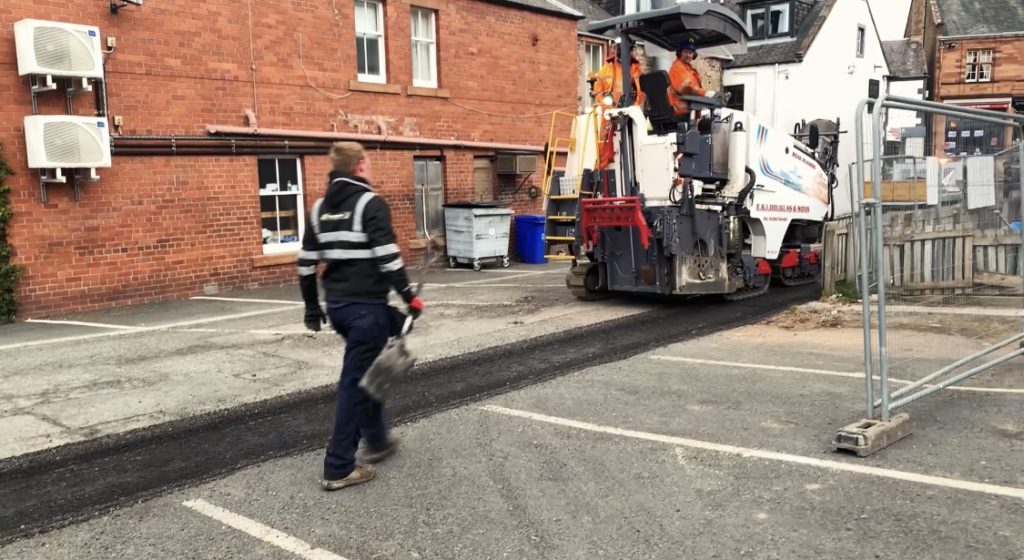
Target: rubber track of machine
{"x":801,"y":281}
{"x":744,"y":294}
{"x":576,"y":282}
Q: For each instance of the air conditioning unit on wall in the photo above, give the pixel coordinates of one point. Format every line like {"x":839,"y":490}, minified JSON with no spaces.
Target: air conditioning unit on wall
{"x":58,"y":49}
{"x":516,"y":164}
{"x":64,"y":142}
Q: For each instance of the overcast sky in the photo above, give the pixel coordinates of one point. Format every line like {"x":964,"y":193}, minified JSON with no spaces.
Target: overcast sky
{"x":891,"y":17}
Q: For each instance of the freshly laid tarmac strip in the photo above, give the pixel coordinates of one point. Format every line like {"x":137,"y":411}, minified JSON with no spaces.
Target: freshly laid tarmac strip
{"x":748,"y":453}
{"x":57,"y":486}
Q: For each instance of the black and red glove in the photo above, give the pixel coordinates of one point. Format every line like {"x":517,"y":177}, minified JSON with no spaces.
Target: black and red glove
{"x":416,"y":306}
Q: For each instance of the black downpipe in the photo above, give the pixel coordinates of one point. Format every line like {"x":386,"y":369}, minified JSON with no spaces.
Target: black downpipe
{"x":625,"y":58}
{"x":627,"y":188}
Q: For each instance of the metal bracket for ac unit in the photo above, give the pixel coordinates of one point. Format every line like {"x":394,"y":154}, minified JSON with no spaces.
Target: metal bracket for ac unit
{"x":47,"y":83}
{"x":42,"y":83}
{"x":57,"y":176}
{"x":78,"y":86}
{"x":49,"y":176}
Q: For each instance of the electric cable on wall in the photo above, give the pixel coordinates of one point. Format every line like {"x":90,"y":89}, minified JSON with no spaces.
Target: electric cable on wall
{"x":309,"y":81}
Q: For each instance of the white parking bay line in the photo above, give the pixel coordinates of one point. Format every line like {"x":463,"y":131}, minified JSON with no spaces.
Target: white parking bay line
{"x":266,"y":534}
{"x":481,"y":286}
{"x":503,"y":271}
{"x":827,"y":372}
{"x":249,"y":300}
{"x":135,"y":330}
{"x":82,"y":324}
{"x":747,"y":453}
{"x":509,"y":277}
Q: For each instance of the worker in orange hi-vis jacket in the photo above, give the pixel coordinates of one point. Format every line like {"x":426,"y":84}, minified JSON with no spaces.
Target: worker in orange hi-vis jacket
{"x":684,"y":79}
{"x":609,"y":81}
{"x":608,"y":84}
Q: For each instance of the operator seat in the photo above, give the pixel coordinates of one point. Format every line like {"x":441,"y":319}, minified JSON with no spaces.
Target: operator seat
{"x":663,"y":119}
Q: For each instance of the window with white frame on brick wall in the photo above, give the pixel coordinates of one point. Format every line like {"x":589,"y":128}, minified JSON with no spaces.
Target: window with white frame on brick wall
{"x":979,"y":66}
{"x":424,"y":47}
{"x":282,"y":216}
{"x":371,"y":65}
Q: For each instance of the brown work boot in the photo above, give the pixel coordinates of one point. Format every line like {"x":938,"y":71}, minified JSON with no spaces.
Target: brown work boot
{"x":361,"y":474}
{"x":378,"y":455}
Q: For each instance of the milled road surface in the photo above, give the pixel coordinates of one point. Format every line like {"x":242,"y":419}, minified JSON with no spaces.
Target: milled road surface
{"x":62,"y":485}
{"x":88,"y":375}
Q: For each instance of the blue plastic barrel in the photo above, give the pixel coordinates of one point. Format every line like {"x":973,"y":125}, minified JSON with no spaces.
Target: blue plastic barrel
{"x":530,"y":238}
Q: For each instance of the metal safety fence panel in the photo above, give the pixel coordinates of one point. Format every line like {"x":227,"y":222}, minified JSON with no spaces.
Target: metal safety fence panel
{"x":938,"y":242}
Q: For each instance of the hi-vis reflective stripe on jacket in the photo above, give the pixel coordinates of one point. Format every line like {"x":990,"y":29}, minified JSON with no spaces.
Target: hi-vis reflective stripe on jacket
{"x":350,"y":232}
{"x":350,"y":238}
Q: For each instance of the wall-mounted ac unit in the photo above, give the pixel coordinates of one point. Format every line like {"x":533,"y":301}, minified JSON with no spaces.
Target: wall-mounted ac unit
{"x":59,"y":141}
{"x":58,"y":49}
{"x":516,"y":164}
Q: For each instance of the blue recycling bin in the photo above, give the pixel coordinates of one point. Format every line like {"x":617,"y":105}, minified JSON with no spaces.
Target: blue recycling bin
{"x":530,"y":238}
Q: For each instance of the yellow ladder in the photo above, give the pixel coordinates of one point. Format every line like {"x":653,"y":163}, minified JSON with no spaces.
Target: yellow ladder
{"x":560,"y":209}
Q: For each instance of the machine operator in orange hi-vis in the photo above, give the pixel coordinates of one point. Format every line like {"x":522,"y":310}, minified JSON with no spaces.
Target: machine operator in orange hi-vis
{"x":684,"y":79}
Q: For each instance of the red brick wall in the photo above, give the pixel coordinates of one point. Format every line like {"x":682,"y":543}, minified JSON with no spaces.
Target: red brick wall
{"x":1007,"y":70}
{"x":161,"y":227}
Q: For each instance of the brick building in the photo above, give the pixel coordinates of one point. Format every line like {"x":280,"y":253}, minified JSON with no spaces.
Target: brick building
{"x":975,"y":59}
{"x":220,"y":115}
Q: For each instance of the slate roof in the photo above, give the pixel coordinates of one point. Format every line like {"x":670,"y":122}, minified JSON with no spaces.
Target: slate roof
{"x":591,"y":11}
{"x":905,"y":58}
{"x":965,"y":17}
{"x":787,"y":51}
{"x":553,"y":7}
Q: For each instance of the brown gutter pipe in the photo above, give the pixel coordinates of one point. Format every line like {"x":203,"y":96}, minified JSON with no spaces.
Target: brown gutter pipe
{"x":206,"y":146}
{"x":250,"y":141}
{"x":410,"y":141}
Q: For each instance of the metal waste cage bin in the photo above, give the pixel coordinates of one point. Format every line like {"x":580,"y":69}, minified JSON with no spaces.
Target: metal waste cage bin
{"x":476,"y":232}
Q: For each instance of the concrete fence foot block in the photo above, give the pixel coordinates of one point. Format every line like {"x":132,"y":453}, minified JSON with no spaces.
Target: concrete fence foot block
{"x":870,"y":436}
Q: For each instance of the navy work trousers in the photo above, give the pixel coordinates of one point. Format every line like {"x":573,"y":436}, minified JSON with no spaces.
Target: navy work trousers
{"x":366,"y":328}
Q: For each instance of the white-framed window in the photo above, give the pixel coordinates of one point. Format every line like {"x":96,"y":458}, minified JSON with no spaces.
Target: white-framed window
{"x":769,"y":21}
{"x":593,"y":57}
{"x":634,"y":6}
{"x":862,"y":35}
{"x":428,"y":181}
{"x":424,"y":48}
{"x":778,"y":20}
{"x":757,"y":23}
{"x":282,"y":213}
{"x":979,"y":66}
{"x":370,"y":60}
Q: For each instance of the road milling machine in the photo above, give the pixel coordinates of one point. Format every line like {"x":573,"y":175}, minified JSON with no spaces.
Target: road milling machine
{"x":713,"y":202}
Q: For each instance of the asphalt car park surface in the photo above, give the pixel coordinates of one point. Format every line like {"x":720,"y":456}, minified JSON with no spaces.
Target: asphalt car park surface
{"x":717,"y":447}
